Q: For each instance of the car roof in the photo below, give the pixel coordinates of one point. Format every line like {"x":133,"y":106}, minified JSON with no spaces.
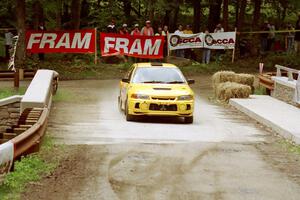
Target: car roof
{"x":154,"y":64}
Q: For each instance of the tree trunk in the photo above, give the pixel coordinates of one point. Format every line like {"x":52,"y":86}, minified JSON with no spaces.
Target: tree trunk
{"x":75,"y":13}
{"x":237,"y":10}
{"x":240,"y":23}
{"x":20,"y":53}
{"x":225,"y":15}
{"x":256,"y":14}
{"x":175,"y":16}
{"x":197,"y":15}
{"x":127,"y":10}
{"x":214,"y":14}
{"x":59,"y":14}
{"x":38,"y":14}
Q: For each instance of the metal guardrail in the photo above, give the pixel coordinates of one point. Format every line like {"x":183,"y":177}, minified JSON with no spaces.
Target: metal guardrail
{"x":25,"y":137}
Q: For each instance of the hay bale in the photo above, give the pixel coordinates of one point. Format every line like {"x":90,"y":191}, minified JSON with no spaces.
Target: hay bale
{"x":222,"y":77}
{"x":227,"y":90}
{"x":245,"y":79}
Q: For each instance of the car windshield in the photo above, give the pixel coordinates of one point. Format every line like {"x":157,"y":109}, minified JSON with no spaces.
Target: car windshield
{"x":166,"y":75}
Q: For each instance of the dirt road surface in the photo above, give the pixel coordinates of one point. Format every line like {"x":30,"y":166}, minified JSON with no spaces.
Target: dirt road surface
{"x":223,"y":155}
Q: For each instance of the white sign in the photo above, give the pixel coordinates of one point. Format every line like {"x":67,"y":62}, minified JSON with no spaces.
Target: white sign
{"x":6,"y":157}
{"x":185,"y":41}
{"x":224,"y":40}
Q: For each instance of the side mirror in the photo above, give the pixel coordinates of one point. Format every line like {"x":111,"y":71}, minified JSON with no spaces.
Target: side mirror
{"x":191,"y":81}
{"x":125,"y":80}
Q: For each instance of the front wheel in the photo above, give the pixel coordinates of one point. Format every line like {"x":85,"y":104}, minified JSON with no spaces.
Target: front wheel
{"x":189,"y":120}
{"x":128,"y":116}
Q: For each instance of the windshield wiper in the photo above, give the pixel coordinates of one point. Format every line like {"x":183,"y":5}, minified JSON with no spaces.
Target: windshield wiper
{"x":174,"y":82}
{"x":154,"y":82}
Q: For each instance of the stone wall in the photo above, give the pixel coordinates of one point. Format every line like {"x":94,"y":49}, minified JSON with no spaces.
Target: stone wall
{"x":284,"y":93}
{"x":9,"y":112}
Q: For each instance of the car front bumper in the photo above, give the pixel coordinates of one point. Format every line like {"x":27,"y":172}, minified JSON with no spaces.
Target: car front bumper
{"x":160,"y":107}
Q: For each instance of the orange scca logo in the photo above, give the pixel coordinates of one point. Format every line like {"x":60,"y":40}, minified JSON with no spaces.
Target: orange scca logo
{"x":209,"y":40}
{"x":176,"y":40}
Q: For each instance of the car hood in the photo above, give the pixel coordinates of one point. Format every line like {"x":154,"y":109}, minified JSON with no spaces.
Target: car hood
{"x":161,"y":89}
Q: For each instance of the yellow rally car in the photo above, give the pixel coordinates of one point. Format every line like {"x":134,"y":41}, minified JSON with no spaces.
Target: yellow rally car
{"x":156,"y":89}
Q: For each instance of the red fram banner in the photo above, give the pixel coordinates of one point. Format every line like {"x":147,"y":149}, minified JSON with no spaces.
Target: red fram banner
{"x":134,"y":46}
{"x":76,"y":41}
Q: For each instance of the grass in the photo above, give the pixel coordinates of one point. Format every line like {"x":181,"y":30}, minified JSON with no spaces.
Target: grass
{"x":290,"y":147}
{"x":29,"y":169}
{"x":7,"y":92}
{"x":260,"y":90}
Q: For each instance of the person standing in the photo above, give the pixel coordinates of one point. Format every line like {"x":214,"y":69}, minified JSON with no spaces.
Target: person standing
{"x":289,"y":43}
{"x":165,"y":33}
{"x":271,"y":37}
{"x":179,"y":31}
{"x":188,"y":53}
{"x":159,"y":32}
{"x":219,"y":52}
{"x":8,"y":43}
{"x":297,"y":36}
{"x":147,"y":30}
{"x":206,"y":52}
{"x":124,"y":30}
{"x":136,"y":30}
{"x":111,"y":28}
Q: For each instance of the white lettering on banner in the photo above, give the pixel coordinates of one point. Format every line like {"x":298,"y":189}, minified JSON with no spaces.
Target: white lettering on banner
{"x":48,"y":38}
{"x":107,"y":44}
{"x":136,"y":47}
{"x":34,"y":39}
{"x":152,"y":49}
{"x":77,"y":41}
{"x":80,"y":42}
{"x":64,"y":41}
{"x":119,"y":44}
{"x":122,"y":43}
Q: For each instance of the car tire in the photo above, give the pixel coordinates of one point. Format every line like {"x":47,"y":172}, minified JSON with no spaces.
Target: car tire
{"x":189,"y":120}
{"x":128,"y":116}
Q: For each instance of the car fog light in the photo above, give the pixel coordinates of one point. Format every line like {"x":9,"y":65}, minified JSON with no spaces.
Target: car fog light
{"x":182,"y":107}
{"x":144,"y":106}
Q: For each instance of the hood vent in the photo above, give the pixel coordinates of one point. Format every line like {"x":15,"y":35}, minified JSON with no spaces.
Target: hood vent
{"x":162,"y":88}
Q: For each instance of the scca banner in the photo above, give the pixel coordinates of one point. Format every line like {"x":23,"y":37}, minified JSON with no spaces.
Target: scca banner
{"x":185,"y":41}
{"x":134,"y":46}
{"x":224,"y":40}
{"x":77,"y":41}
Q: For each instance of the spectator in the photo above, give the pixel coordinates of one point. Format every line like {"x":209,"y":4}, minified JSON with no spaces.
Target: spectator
{"x":111,"y":28}
{"x":41,"y":27}
{"x":264,"y":37}
{"x":188,"y":30}
{"x":206,"y":52}
{"x":271,"y":37}
{"x":289,"y":41}
{"x":147,"y":29}
{"x":159,"y":32}
{"x":188,"y":53}
{"x":179,"y":31}
{"x":124,"y":30}
{"x":219,"y":29}
{"x":297,"y":36}
{"x":165,"y":31}
{"x":8,"y":43}
{"x":136,"y":30}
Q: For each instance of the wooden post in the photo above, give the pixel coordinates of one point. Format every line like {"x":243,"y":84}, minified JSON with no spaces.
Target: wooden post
{"x":16,"y":79}
{"x":233,"y":51}
{"x":95,"y":59}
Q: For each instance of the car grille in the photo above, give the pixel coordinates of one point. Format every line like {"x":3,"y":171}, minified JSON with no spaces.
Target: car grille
{"x":163,"y":98}
{"x":172,"y":107}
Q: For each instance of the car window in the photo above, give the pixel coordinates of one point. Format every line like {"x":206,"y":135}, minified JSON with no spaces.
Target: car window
{"x":129,"y":73}
{"x":158,"y":75}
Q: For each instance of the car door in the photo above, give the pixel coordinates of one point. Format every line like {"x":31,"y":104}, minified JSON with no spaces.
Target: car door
{"x":124,"y":86}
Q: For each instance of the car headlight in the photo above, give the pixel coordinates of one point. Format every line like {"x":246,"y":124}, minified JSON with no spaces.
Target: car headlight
{"x":139,"y":96}
{"x":185,"y":98}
